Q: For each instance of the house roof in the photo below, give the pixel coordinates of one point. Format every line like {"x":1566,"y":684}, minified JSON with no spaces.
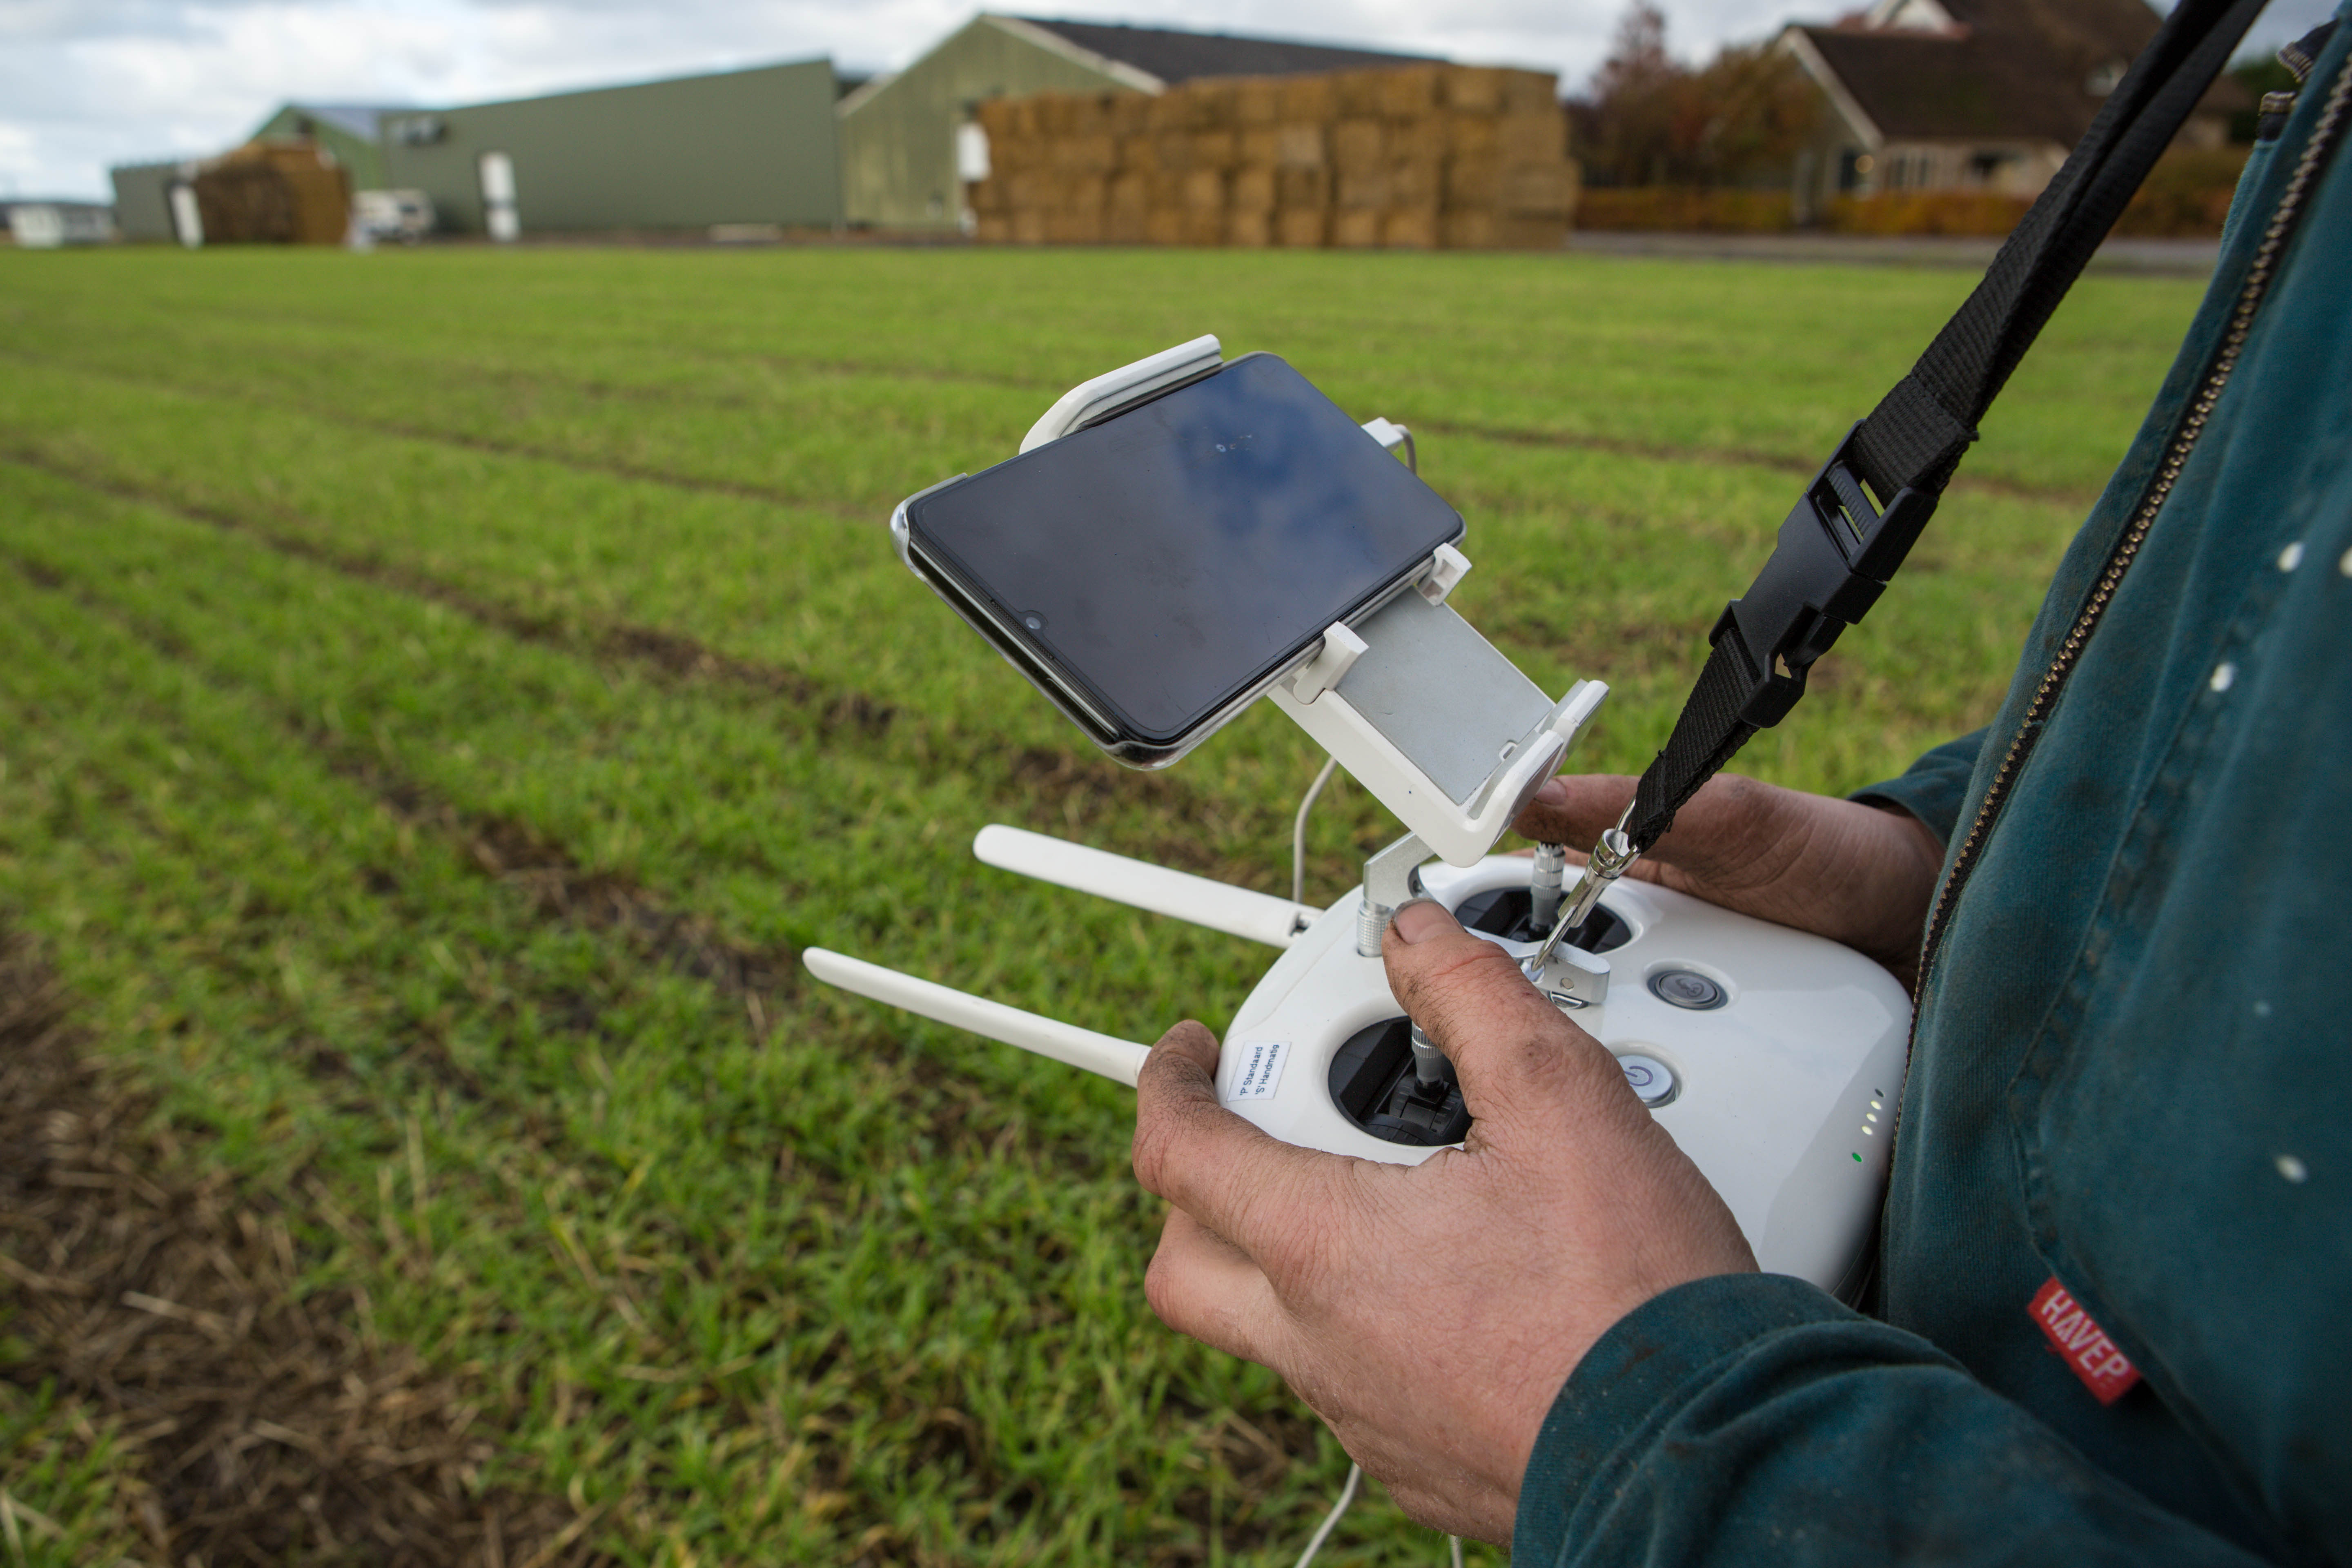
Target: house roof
{"x":2002,"y":68}
{"x":1173,"y":57}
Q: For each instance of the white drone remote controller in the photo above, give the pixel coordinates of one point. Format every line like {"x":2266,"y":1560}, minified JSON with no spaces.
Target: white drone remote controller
{"x":1773,"y":1056}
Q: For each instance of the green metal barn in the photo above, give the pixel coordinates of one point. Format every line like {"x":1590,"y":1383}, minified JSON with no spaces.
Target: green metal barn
{"x":353,"y":133}
{"x":909,"y":142}
{"x":748,"y":147}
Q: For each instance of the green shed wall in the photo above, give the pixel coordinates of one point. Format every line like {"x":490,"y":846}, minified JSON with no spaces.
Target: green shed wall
{"x":754,"y":146}
{"x":142,"y":211}
{"x":898,"y":141}
{"x":360,"y":156}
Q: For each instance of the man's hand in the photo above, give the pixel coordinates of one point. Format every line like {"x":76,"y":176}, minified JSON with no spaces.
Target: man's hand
{"x":1858,"y":874}
{"x":1431,"y":1313}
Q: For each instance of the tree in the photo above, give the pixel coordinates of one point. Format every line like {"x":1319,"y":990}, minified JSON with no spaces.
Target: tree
{"x":1653,"y":120}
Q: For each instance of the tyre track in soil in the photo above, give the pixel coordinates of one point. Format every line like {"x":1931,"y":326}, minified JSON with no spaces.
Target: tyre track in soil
{"x":765,"y":982}
{"x":267,"y":1426}
{"x":513,"y":853}
{"x":1088,"y":791}
{"x":530,"y":451}
{"x":1502,"y":435}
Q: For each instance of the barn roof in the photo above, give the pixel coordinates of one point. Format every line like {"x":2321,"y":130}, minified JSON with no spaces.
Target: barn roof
{"x":1174,"y":57}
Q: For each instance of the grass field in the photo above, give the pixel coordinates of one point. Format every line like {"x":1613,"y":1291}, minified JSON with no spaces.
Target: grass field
{"x":441,"y":691}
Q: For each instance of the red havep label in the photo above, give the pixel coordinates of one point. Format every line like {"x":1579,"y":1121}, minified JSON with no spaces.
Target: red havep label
{"x":2104,"y":1369}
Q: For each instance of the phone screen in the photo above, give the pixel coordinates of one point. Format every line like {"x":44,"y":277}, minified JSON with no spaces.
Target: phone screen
{"x":1169,"y":559}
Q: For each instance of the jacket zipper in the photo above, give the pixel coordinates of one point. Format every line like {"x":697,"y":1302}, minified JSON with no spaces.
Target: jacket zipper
{"x":2126,"y":550}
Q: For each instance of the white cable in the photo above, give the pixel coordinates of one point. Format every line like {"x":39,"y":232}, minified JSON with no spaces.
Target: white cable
{"x":1332,"y":1520}
{"x":1298,"y":832}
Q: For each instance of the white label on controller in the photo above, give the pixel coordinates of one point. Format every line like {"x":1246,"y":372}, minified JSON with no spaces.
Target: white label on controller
{"x":1261,"y":1069}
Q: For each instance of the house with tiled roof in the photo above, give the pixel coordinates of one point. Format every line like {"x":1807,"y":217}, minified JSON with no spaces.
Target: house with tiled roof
{"x":1967,"y":95}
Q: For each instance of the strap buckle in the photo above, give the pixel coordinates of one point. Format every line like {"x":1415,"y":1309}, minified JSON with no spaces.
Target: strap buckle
{"x":1835,"y":554}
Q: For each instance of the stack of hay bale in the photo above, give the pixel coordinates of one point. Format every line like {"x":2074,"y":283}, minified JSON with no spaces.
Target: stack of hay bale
{"x":1460,"y":156}
{"x":274,"y":193}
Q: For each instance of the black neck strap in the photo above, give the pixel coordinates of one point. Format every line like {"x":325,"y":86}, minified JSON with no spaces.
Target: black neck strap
{"x":1838,"y":548}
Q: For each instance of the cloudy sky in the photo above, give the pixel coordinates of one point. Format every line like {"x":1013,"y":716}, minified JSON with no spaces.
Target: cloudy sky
{"x":87,"y":83}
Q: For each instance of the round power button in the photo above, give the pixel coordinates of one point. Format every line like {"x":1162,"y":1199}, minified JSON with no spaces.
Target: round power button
{"x":1651,"y":1078}
{"x":1686,"y":988}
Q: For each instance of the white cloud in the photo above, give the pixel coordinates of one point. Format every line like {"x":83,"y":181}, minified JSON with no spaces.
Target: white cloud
{"x":88,"y":83}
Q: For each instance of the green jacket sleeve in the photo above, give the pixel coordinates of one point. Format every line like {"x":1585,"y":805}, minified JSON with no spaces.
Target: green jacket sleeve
{"x":1934,"y":789}
{"x":1750,"y":1419}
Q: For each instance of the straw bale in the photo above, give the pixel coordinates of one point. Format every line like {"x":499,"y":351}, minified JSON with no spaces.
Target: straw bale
{"x":1309,"y":99}
{"x":1418,"y":181}
{"x":1249,"y":230}
{"x":1000,"y":116}
{"x":1494,"y":231}
{"x":1030,"y":190}
{"x":1530,"y":233}
{"x":1093,"y":155}
{"x":986,"y":196}
{"x":1300,"y":146}
{"x":1358,"y":93}
{"x":1204,"y":191}
{"x":1215,"y":149}
{"x":1074,"y":228}
{"x":1533,"y":138}
{"x":1130,"y":112}
{"x":1257,"y":100}
{"x":1409,"y":92}
{"x":1300,"y":227}
{"x":1057,"y":114}
{"x":1473,"y":89}
{"x":1174,"y":148}
{"x":1164,"y":191}
{"x":1139,"y":152}
{"x":1538,"y":190}
{"x":1357,"y":145}
{"x":993,"y":229}
{"x":1410,"y":228}
{"x":1470,"y":133}
{"x":1355,"y":230}
{"x":1423,"y":136}
{"x":1128,"y":192}
{"x":1472,"y":183}
{"x":1084,"y":192}
{"x":1259,"y":145}
{"x":1360,"y":189}
{"x":1093,"y":115}
{"x":1163,"y":226}
{"x":1199,"y":227}
{"x":1529,"y":92}
{"x":1212,"y":105}
{"x":1028,"y":226}
{"x":1252,"y":189}
{"x":1166,"y":112}
{"x":274,"y":193}
{"x":1302,"y":189}
{"x":1126,"y":226}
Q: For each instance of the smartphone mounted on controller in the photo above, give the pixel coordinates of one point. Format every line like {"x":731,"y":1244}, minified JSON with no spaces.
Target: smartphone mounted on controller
{"x":1187,"y":534}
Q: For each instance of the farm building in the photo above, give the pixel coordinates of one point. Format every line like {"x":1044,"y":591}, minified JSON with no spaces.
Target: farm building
{"x":750,"y":147}
{"x":352,"y":132}
{"x":142,"y":198}
{"x":909,"y":143}
{"x":1967,"y":95}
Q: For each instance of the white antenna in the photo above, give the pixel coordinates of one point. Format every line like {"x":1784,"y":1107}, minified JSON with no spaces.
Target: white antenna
{"x":1117,"y":1059}
{"x":1179,"y":895}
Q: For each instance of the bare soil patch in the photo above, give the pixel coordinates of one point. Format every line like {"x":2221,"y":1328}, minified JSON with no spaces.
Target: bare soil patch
{"x":271,"y":1424}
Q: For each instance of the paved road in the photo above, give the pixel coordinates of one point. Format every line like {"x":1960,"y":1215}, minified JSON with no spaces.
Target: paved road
{"x":2176,"y":257}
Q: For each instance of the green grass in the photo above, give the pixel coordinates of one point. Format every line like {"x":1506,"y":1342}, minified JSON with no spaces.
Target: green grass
{"x":318,"y":573}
